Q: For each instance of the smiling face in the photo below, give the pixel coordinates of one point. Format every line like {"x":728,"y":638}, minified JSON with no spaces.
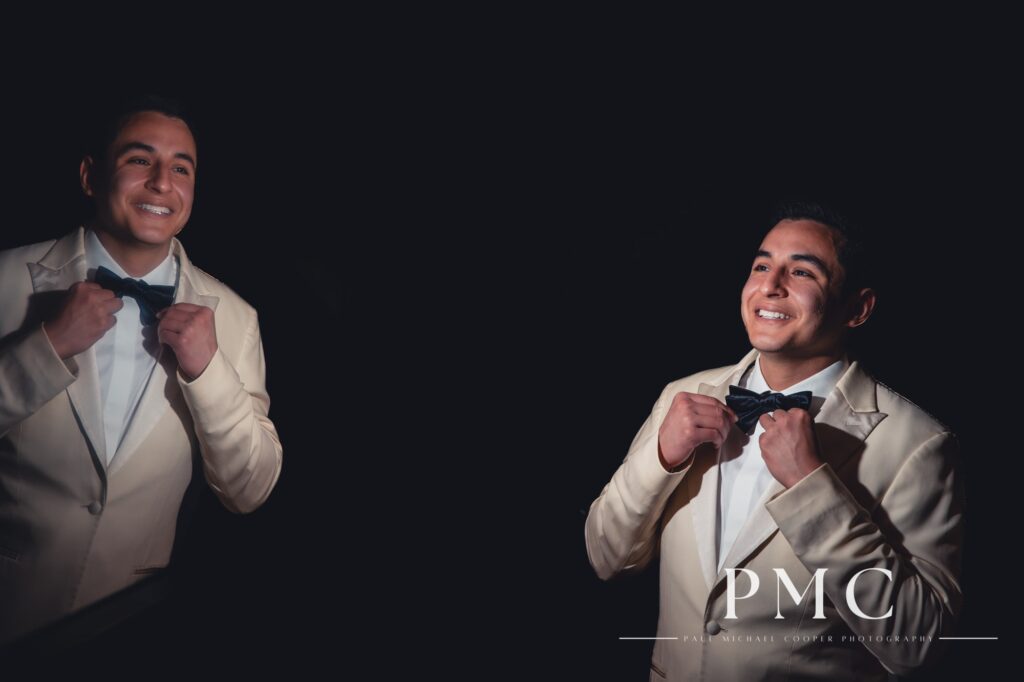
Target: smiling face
{"x":144,"y":188}
{"x":790,"y":304}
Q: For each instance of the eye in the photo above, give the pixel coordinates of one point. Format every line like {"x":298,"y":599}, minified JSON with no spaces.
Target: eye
{"x":139,"y":160}
{"x":803,"y":273}
{"x":758,"y":266}
{"x":181,"y":169}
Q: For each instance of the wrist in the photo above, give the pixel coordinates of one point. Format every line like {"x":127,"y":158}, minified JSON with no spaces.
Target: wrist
{"x":671,"y":468}
{"x":55,"y":343}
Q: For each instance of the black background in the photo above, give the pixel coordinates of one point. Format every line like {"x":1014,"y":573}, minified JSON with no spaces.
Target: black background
{"x":479,"y":255}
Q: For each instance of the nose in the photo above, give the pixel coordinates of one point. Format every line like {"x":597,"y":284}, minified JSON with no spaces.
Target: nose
{"x":159,"y":178}
{"x":771,"y":283}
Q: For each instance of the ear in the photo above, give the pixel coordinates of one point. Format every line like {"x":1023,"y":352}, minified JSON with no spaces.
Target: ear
{"x":861,"y":305}
{"x":85,"y":172}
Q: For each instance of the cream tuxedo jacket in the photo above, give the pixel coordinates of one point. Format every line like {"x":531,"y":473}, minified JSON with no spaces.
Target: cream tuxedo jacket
{"x":72,"y":530}
{"x":887,"y":497}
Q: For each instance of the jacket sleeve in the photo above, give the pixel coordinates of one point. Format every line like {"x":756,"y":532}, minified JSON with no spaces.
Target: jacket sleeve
{"x":915,"y":533}
{"x":239,"y":445}
{"x":621,"y":528}
{"x":31,"y":375}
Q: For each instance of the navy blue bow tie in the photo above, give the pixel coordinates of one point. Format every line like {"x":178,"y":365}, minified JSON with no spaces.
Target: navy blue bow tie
{"x":749,"y":406}
{"x":152,"y":298}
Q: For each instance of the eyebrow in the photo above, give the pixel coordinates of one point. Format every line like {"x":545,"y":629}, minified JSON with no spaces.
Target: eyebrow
{"x":127,"y":147}
{"x":810,"y":258}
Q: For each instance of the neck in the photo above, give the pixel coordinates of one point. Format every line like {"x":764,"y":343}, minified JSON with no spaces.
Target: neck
{"x":782,"y":372}
{"x":136,"y":258}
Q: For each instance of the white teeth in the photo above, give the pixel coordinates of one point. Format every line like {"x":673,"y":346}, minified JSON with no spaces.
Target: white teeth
{"x":771,"y":315}
{"x":159,"y":210}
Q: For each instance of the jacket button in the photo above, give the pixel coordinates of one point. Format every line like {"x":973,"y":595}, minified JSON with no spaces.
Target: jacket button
{"x":95,"y":508}
{"x":713,"y":628}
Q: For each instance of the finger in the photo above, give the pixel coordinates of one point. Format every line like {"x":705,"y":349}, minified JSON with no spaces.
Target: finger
{"x":173,"y":324}
{"x":721,"y":422}
{"x":705,"y":399}
{"x":712,"y":402}
{"x":708,"y":415}
{"x":112,"y":304}
{"x":793,"y":412}
{"x":98,"y":292}
{"x":710,"y":436}
{"x":176,"y":310}
{"x":168,"y":336}
{"x":766,"y":421}
{"x":86,"y":284}
{"x":175,"y":318}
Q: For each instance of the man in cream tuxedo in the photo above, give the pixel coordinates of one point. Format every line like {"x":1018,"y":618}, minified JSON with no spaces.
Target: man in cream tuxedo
{"x":819,"y":543}
{"x":107,"y":395}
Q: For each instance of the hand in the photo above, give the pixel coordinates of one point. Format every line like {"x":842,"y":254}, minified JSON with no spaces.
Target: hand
{"x":788,"y":445}
{"x":86,"y":314}
{"x":692,"y":419}
{"x":189,"y":330}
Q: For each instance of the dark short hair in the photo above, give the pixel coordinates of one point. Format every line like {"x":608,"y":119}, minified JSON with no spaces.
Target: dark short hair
{"x":108,"y":122}
{"x":849,"y":237}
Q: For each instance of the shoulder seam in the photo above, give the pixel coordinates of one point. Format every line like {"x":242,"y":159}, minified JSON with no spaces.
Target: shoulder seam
{"x":943,"y":426}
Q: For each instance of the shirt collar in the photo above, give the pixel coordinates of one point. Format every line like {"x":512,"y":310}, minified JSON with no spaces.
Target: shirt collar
{"x":96,"y":255}
{"x":820,"y":385}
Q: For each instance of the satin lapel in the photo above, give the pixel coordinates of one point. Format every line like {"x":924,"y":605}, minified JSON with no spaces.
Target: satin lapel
{"x":62,"y":266}
{"x":161,"y":389}
{"x":844,"y":423}
{"x":704,"y":506}
{"x":845,"y":420}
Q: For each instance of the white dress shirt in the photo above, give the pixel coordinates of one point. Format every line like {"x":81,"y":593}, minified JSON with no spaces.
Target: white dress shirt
{"x":127,"y":353}
{"x":743,"y":476}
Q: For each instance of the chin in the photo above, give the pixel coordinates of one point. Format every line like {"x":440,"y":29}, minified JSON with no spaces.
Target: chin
{"x":766,"y":345}
{"x":152,"y":237}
